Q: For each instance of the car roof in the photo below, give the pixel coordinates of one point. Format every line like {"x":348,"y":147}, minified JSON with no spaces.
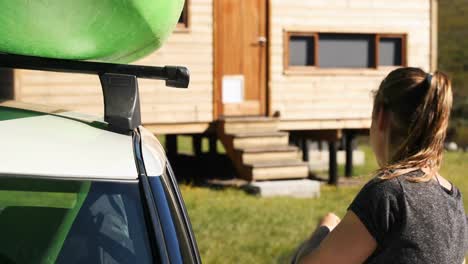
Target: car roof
{"x":40,"y":141}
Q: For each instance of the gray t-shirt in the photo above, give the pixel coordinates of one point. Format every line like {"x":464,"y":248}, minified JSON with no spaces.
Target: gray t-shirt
{"x":413,"y":222}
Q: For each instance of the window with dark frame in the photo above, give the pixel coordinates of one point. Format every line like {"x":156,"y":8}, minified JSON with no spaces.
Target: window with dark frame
{"x":310,"y":50}
{"x":302,"y":50}
{"x":183,"y":19}
{"x":390,"y":51}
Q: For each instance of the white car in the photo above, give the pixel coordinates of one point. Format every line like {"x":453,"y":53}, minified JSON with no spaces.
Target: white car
{"x":76,"y":189}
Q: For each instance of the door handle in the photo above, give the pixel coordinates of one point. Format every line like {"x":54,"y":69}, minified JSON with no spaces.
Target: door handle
{"x":262,"y":40}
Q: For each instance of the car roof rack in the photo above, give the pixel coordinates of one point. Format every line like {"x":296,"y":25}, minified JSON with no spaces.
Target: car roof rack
{"x":119,"y":83}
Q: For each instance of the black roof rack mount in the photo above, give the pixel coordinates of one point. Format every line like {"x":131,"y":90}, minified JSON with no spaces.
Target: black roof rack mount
{"x":119,"y":83}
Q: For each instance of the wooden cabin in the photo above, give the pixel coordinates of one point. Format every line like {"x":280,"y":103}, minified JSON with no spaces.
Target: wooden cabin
{"x":264,"y":70}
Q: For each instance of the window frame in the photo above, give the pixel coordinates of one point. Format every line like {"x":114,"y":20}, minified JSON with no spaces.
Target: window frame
{"x":287,"y":38}
{"x":403,"y":38}
{"x":165,"y":207}
{"x":184,"y":26}
{"x":316,"y":36}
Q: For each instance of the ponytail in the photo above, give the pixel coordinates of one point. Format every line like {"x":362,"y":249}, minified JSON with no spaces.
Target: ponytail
{"x":419,"y":105}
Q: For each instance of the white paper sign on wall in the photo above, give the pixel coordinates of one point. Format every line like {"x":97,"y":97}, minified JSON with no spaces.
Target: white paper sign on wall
{"x":233,"y":88}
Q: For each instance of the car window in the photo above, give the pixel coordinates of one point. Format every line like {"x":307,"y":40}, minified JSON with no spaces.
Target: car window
{"x":56,"y":221}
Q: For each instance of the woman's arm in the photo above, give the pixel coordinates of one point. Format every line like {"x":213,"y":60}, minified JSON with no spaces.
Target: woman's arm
{"x":349,"y":242}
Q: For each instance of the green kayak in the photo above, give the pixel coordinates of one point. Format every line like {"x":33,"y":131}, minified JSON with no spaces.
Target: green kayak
{"x":103,"y":30}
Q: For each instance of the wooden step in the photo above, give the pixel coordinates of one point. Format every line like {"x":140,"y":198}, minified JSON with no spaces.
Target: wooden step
{"x":259,"y":151}
{"x":259,"y":139}
{"x":234,"y":119}
{"x":232,"y":125}
{"x":268,"y":153}
{"x":293,"y":169}
{"x":272,"y":148}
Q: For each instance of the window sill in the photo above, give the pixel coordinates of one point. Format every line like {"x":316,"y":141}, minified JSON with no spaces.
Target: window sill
{"x":314,"y":71}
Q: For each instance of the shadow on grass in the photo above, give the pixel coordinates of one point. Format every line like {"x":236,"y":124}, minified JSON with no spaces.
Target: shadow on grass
{"x":200,"y":170}
{"x":285,"y":257}
{"x":217,"y":172}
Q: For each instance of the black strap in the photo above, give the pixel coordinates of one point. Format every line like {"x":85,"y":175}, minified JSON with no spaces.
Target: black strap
{"x":311,"y":244}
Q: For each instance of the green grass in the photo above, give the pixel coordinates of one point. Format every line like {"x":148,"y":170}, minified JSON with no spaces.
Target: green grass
{"x":233,"y":227}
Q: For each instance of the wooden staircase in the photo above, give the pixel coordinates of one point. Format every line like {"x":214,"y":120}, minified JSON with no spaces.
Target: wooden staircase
{"x":259,"y":151}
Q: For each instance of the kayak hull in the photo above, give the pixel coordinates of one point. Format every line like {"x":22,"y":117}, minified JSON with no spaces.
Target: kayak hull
{"x":104,"y":30}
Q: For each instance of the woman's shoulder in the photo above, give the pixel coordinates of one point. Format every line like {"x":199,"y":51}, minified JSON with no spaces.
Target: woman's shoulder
{"x":378,"y":193}
{"x":379,"y":182}
{"x":379,"y":205}
{"x":381,"y":186}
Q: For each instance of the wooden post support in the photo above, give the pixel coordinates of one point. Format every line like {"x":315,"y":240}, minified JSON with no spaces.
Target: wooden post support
{"x":171,"y":145}
{"x":197,"y":145}
{"x":213,"y":144}
{"x":305,"y":149}
{"x":292,"y":139}
{"x":333,"y":167}
{"x":349,"y":154}
{"x":7,"y":89}
{"x":298,"y":142}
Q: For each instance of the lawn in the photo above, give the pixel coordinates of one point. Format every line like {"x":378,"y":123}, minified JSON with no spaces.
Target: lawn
{"x":233,"y":227}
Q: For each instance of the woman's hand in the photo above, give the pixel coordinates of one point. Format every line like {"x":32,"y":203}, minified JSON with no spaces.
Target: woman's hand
{"x":330,"y":220}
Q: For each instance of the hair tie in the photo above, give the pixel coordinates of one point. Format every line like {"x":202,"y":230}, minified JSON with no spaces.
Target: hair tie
{"x":428,"y":80}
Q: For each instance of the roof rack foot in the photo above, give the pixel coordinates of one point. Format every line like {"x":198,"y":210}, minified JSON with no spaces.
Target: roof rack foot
{"x":121,"y":101}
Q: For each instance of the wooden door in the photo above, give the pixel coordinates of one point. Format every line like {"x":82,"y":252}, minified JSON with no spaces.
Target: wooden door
{"x":240,"y":57}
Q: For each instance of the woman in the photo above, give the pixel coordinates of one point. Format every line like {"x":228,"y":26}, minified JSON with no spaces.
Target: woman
{"x":408,"y":213}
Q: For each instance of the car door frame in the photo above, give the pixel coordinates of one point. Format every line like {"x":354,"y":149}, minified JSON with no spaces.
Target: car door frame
{"x":161,"y":222}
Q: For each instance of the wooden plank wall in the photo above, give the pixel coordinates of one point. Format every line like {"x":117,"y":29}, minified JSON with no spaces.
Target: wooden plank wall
{"x":192,"y":47}
{"x":340,"y":94}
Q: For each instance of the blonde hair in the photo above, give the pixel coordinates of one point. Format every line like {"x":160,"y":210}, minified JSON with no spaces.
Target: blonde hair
{"x":419,"y":106}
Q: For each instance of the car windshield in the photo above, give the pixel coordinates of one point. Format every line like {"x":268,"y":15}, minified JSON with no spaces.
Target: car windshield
{"x":57,"y":221}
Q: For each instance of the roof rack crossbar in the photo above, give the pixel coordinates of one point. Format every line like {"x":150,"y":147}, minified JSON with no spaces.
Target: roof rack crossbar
{"x":175,"y":76}
{"x":118,"y":81}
